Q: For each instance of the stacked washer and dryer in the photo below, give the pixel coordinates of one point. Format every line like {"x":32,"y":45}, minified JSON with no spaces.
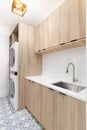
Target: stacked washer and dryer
{"x":13,"y":81}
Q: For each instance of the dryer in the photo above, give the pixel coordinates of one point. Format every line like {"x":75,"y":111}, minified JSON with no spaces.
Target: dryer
{"x":13,"y":57}
{"x":13,"y":90}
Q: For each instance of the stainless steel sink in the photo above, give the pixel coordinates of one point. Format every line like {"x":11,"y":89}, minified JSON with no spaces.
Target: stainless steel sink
{"x":68,"y":86}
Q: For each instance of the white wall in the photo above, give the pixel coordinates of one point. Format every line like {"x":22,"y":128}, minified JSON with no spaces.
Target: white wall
{"x":55,"y":64}
{"x":86,"y":63}
{"x":4,"y":61}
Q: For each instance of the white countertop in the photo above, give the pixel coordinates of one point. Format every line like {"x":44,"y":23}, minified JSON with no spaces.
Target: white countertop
{"x":47,"y":82}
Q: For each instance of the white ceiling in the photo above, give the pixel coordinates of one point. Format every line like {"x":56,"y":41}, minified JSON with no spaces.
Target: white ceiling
{"x":37,"y":10}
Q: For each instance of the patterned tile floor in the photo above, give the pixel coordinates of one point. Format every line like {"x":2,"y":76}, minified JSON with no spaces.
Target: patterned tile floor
{"x":21,"y":120}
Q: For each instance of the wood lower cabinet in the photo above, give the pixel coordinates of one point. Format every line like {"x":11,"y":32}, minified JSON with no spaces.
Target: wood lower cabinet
{"x":55,"y":111}
{"x":48,"y":109}
{"x":30,"y":91}
{"x":38,"y":101}
{"x":71,"y":113}
{"x":33,"y":98}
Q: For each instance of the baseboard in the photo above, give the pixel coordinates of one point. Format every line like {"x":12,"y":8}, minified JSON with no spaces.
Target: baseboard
{"x":3,"y":94}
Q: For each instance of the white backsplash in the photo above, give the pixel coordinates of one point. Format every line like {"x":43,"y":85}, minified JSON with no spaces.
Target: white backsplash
{"x":55,"y":64}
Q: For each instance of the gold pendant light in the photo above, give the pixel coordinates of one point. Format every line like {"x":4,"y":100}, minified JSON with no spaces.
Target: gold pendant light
{"x":18,"y":7}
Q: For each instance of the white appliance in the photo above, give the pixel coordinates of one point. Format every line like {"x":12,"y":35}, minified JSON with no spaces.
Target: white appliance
{"x":13,"y":57}
{"x":13,"y":91}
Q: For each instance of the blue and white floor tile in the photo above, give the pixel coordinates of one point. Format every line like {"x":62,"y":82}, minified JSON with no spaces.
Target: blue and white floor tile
{"x":21,"y":120}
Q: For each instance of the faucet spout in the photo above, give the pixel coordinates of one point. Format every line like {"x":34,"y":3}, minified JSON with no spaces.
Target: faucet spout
{"x":67,"y":70}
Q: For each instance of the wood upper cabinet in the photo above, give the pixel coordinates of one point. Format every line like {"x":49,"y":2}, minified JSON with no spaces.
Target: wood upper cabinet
{"x":53,"y":31}
{"x":58,"y":26}
{"x":37,"y":44}
{"x":54,"y":22}
{"x":43,"y":35}
{"x":71,"y":113}
{"x":65,"y":24}
{"x":64,"y":21}
{"x":77,"y":19}
{"x":48,"y":118}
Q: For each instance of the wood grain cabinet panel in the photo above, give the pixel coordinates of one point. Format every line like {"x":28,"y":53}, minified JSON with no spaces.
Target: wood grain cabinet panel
{"x":27,"y":93}
{"x":64,"y":22}
{"x":76,"y":114}
{"x":77,"y":19}
{"x":48,"y":118}
{"x":54,"y":22}
{"x":30,"y":95}
{"x":33,"y":99}
{"x":55,"y":111}
{"x":29,"y":63}
{"x":37,"y":38}
{"x":38,"y":101}
{"x":43,"y":34}
{"x":71,"y":113}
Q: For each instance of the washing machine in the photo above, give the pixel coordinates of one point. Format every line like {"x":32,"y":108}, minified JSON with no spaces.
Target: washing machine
{"x":13,"y":57}
{"x":13,"y":90}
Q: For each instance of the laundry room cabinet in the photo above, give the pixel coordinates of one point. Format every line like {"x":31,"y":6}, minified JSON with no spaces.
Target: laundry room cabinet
{"x":55,"y":110}
{"x":70,"y":114}
{"x":77,"y":19}
{"x":58,"y":26}
{"x":33,"y":98}
{"x":66,"y":24}
{"x":29,"y":63}
{"x":43,"y":34}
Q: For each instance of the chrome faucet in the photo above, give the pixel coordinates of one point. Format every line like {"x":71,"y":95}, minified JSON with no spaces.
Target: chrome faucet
{"x":67,"y":70}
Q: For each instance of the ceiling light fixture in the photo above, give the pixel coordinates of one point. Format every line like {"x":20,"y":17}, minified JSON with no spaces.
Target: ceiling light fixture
{"x":19,"y":7}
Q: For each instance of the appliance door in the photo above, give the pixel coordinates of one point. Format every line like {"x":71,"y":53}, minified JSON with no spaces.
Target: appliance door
{"x":12,"y":57}
{"x":12,"y":88}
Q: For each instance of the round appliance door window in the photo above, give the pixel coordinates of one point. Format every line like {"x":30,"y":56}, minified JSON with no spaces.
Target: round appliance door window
{"x":12,"y":57}
{"x":11,"y":88}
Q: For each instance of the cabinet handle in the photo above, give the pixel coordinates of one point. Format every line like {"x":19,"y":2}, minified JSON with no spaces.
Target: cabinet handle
{"x":51,"y":89}
{"x":33,"y":81}
{"x":73,"y":40}
{"x":44,"y":49}
{"x":62,"y":43}
{"x":62,"y":93}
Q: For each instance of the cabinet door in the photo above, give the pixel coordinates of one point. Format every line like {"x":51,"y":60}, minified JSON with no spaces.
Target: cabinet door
{"x":30,"y":96}
{"x":77,"y":16}
{"x":70,"y":113}
{"x":64,"y":21}
{"x":33,"y":99}
{"x":27,"y":94}
{"x":37,"y":44}
{"x":62,"y":112}
{"x":43,"y":34}
{"x":37,"y":101}
{"x":76,"y":114}
{"x":48,"y":118}
{"x":58,"y":26}
{"x":54,"y":29}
